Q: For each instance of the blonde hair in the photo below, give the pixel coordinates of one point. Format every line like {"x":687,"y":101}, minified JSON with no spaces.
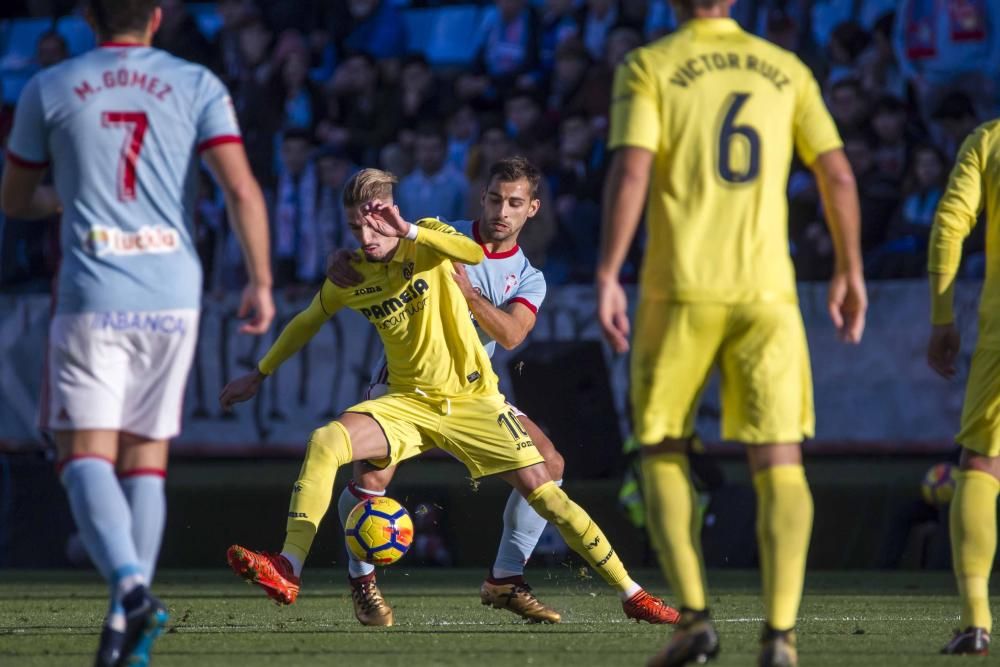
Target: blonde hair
{"x":366,"y":185}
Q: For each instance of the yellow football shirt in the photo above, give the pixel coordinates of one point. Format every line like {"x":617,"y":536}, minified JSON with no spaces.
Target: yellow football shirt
{"x":974,"y":184}
{"x":421,"y":316}
{"x":720,"y":109}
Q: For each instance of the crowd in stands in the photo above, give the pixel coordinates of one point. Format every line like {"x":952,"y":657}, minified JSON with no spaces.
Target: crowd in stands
{"x":434,"y":91}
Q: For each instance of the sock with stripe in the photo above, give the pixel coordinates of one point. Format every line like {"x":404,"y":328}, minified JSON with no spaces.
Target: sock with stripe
{"x":349,"y":498}
{"x":581,"y":534}
{"x":329,"y":448}
{"x":102,"y":516}
{"x":522,"y":528}
{"x":973,"y":527}
{"x":144,"y":490}
{"x":674,"y":525}
{"x":784,"y":525}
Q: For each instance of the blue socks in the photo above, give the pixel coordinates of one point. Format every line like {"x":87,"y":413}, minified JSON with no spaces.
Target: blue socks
{"x":144,"y":491}
{"x":105,"y":523}
{"x":522,"y":528}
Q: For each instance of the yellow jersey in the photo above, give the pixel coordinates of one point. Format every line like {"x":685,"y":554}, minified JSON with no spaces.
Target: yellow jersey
{"x":974,"y":184}
{"x":431,"y":344}
{"x":720,"y":110}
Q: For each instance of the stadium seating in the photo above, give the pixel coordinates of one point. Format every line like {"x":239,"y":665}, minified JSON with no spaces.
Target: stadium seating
{"x":445,"y":35}
{"x":77,"y":33}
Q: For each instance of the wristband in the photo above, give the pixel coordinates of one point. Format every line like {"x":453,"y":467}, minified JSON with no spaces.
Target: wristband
{"x":411,"y":233}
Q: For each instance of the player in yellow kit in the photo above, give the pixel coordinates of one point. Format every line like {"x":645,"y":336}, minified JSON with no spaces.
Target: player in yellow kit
{"x":974,"y":184}
{"x":706,"y":120}
{"x":442,"y":391}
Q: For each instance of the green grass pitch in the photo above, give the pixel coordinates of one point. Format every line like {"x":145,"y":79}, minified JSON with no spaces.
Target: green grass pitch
{"x":856,"y":618}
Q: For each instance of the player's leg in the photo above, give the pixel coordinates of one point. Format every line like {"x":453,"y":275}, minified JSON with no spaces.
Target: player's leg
{"x":767,"y":404}
{"x":385,"y":430}
{"x":973,"y":511}
{"x":505,"y":587}
{"x":370,"y":607}
{"x":142,"y":471}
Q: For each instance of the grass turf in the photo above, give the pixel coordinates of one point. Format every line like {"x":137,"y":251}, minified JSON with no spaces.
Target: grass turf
{"x":851,"y":618}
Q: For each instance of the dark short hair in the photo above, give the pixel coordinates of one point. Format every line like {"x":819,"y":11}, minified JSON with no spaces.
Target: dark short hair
{"x":515,"y":168}
{"x":115,"y":17}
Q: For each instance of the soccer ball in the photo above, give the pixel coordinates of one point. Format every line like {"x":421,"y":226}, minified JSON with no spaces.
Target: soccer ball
{"x":938,"y":485}
{"x":378,"y":531}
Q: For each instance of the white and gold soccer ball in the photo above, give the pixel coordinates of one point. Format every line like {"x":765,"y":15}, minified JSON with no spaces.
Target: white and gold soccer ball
{"x":378,"y":531}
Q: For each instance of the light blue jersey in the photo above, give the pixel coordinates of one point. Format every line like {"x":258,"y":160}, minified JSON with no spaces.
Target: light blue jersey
{"x":122,"y":126}
{"x":503,"y":278}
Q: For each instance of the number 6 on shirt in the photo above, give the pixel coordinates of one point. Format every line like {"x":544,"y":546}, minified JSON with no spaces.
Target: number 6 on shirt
{"x":136,"y":123}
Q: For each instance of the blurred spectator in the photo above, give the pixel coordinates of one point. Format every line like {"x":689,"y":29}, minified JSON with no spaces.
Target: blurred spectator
{"x":877,"y":190}
{"x":889,"y":127}
{"x":232,"y":14}
{"x":419,"y":97}
{"x":847,"y":43}
{"x":366,"y":112}
{"x":558,"y":24}
{"x":463,"y":131}
{"x":594,"y":97}
{"x":179,"y":34}
{"x":374,"y":27}
{"x":252,"y":94}
{"x":572,"y":65}
{"x":877,"y":66}
{"x":300,"y":97}
{"x":334,"y":168}
{"x":494,"y":145}
{"x":434,"y":188}
{"x":298,"y":255}
{"x":576,"y":184}
{"x":510,"y":50}
{"x":523,"y":117}
{"x":847,"y":104}
{"x":598,"y":19}
{"x":952,"y":121}
{"x":904,"y":253}
{"x":946,"y":45}
{"x":51,"y":49}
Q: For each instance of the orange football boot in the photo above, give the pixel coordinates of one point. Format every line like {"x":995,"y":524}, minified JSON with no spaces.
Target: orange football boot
{"x":645,"y":607}
{"x":272,"y":572}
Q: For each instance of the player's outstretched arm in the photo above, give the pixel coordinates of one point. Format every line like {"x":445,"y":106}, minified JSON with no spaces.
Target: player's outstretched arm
{"x":508,"y":326}
{"x":22,"y":195}
{"x":624,"y":196}
{"x":847,"y":299}
{"x":248,"y":217}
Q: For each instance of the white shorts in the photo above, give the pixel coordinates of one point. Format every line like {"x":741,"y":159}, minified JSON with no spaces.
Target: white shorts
{"x":378,"y":389}
{"x":123,"y":371}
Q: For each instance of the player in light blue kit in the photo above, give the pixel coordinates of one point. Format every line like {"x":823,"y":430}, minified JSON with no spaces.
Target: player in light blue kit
{"x":504,"y":293}
{"x":122,"y":127}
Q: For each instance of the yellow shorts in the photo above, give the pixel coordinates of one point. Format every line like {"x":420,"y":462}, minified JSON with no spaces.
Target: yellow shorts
{"x":980,"y":430}
{"x":481,"y":431}
{"x":760,"y":350}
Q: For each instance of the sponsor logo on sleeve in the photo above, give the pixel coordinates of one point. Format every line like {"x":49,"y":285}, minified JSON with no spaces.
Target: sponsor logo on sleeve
{"x":158,"y":240}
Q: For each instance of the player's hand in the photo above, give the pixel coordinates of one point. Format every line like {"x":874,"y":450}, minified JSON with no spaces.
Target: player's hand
{"x":241,"y":389}
{"x":463,"y":282}
{"x":385,"y":218}
{"x":942,"y":350}
{"x":258,"y":304}
{"x":612,"y":313}
{"x":847,"y":301}
{"x":340,"y":269}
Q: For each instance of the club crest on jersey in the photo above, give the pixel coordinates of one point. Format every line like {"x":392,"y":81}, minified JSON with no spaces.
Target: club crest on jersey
{"x":101,"y":241}
{"x":407,"y":270}
{"x":509,"y":282}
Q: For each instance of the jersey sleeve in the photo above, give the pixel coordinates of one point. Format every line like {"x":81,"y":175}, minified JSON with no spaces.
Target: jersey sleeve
{"x":447,"y":242}
{"x":531,"y":290}
{"x":217,"y":122}
{"x":635,"y":107}
{"x":27,"y":145}
{"x":814,"y":129}
{"x":302,"y":328}
{"x":959,"y":206}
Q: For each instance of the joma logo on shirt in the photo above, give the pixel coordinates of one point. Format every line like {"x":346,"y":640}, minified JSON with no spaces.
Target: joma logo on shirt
{"x":390,"y":306}
{"x":102,"y":241}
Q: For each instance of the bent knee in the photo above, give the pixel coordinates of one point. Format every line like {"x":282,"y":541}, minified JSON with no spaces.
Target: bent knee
{"x":372,"y":479}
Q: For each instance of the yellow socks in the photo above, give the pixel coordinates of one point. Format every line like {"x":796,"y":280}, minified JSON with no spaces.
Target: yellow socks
{"x":580,"y":532}
{"x":784,"y":525}
{"x":973,"y":525}
{"x":329,"y":448}
{"x":673,"y":522}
